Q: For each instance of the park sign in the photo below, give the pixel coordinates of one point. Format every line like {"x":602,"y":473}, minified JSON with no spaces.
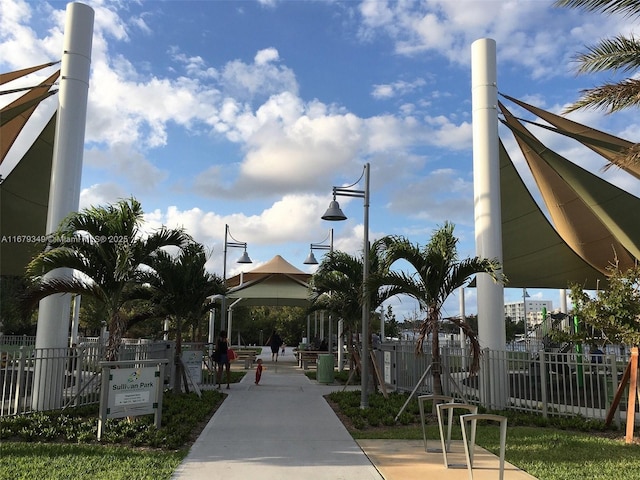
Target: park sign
{"x":131,"y":389}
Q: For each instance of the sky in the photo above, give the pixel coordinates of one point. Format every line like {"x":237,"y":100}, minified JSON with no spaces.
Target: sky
{"x":247,"y":113}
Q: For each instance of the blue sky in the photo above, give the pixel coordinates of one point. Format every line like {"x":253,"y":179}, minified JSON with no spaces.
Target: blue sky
{"x":247,"y":113}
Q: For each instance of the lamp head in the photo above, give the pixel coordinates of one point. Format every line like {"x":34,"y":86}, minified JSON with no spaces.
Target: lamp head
{"x":244,"y":258}
{"x":311,"y":259}
{"x":334,"y":213}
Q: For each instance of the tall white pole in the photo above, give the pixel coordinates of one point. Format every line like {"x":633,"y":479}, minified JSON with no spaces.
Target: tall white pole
{"x":166,"y":327}
{"x":463,"y":317}
{"x":64,"y":193}
{"x":563,"y":300}
{"x":211,"y":338}
{"x":75,"y":322}
{"x":488,"y":218}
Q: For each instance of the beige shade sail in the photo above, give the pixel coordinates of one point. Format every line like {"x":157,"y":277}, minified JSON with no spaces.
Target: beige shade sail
{"x":10,"y":76}
{"x":585,"y":209}
{"x":24,"y":199}
{"x":533,"y":253}
{"x":19,"y":111}
{"x":610,"y":147}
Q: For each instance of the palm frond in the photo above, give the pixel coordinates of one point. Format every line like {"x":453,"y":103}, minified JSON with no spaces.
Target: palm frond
{"x":629,"y":8}
{"x":51,"y":286}
{"x":474,"y":344}
{"x":616,"y":54}
{"x":628,"y":158}
{"x":610,"y":96}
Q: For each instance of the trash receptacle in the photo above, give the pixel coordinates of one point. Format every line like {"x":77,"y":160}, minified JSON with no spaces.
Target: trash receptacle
{"x":325,"y":368}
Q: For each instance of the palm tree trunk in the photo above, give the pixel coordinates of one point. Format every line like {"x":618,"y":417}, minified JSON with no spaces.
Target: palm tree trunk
{"x":436,"y":368}
{"x":115,"y":337}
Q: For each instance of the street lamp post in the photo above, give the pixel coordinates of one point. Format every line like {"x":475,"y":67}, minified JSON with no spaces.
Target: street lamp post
{"x":311,"y":260}
{"x":334,"y":213}
{"x":244,"y":258}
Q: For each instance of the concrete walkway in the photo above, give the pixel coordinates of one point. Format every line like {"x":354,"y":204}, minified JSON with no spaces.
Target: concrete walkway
{"x":284,"y":428}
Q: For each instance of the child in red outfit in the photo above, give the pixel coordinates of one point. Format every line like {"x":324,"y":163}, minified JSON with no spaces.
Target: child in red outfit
{"x":259,"y":368}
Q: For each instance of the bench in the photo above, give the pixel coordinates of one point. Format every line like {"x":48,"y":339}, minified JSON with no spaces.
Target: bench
{"x":309,"y":357}
{"x":247,"y":356}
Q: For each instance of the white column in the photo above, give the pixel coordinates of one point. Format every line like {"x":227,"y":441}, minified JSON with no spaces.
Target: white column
{"x":211,"y":338}
{"x":563,"y":300}
{"x":75,"y":323}
{"x":64,"y":193}
{"x":463,"y":343}
{"x":166,"y":327}
{"x":488,"y":218}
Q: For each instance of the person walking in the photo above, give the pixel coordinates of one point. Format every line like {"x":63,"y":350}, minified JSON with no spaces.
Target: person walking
{"x":222,"y":358}
{"x":274,"y":342}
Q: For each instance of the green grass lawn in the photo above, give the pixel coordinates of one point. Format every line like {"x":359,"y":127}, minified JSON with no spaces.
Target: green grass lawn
{"x":51,"y":461}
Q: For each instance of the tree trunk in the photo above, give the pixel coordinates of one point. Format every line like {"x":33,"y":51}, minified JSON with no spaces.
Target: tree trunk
{"x":436,"y":368}
{"x":115,"y":338}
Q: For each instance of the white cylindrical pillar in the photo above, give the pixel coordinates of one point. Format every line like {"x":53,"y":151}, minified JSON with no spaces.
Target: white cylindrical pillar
{"x":463,"y":343}
{"x":75,"y":322}
{"x":486,"y":179}
{"x":487,"y":208}
{"x":64,"y":192}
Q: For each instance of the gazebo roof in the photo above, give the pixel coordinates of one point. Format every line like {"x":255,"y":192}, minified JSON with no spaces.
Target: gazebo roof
{"x":275,"y":283}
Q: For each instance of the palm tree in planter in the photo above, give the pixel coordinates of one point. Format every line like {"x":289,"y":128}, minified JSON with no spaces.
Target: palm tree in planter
{"x":337,"y":286}
{"x":106,"y":249}
{"x":182,"y":287}
{"x":437,"y":274}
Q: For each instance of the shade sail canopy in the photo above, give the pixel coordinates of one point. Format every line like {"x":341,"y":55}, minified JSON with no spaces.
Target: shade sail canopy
{"x":534,"y":253}
{"x":590,"y":215}
{"x":24,"y":193}
{"x":276,"y":283}
{"x":24,"y":199}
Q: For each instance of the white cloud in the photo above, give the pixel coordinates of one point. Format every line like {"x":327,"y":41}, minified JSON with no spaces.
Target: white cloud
{"x":101,"y":194}
{"x":127,"y":163}
{"x":397,"y":88}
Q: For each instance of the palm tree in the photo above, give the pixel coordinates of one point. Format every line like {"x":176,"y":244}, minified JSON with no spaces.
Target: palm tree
{"x":617,"y":54}
{"x":182,"y":287}
{"x":437,"y":274}
{"x":337,"y":286}
{"x":105,"y":247}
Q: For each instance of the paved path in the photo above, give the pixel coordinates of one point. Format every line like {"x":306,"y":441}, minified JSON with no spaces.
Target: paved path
{"x":284,"y":429}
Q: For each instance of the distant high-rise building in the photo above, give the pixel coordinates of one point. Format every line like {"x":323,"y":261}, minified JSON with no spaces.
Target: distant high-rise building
{"x":516,"y":311}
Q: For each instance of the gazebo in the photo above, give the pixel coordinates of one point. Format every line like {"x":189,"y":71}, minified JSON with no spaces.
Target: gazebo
{"x":275,"y":283}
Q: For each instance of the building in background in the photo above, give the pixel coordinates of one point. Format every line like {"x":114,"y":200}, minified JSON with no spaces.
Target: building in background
{"x":516,"y":311}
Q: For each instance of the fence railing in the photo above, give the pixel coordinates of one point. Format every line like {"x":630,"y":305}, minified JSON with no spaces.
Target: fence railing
{"x":548,"y":384}
{"x":71,"y":372}
{"x":17,"y":340}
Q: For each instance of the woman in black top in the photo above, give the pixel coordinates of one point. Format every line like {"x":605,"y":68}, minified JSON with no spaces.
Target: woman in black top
{"x":274,"y":342}
{"x":222,"y":345}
